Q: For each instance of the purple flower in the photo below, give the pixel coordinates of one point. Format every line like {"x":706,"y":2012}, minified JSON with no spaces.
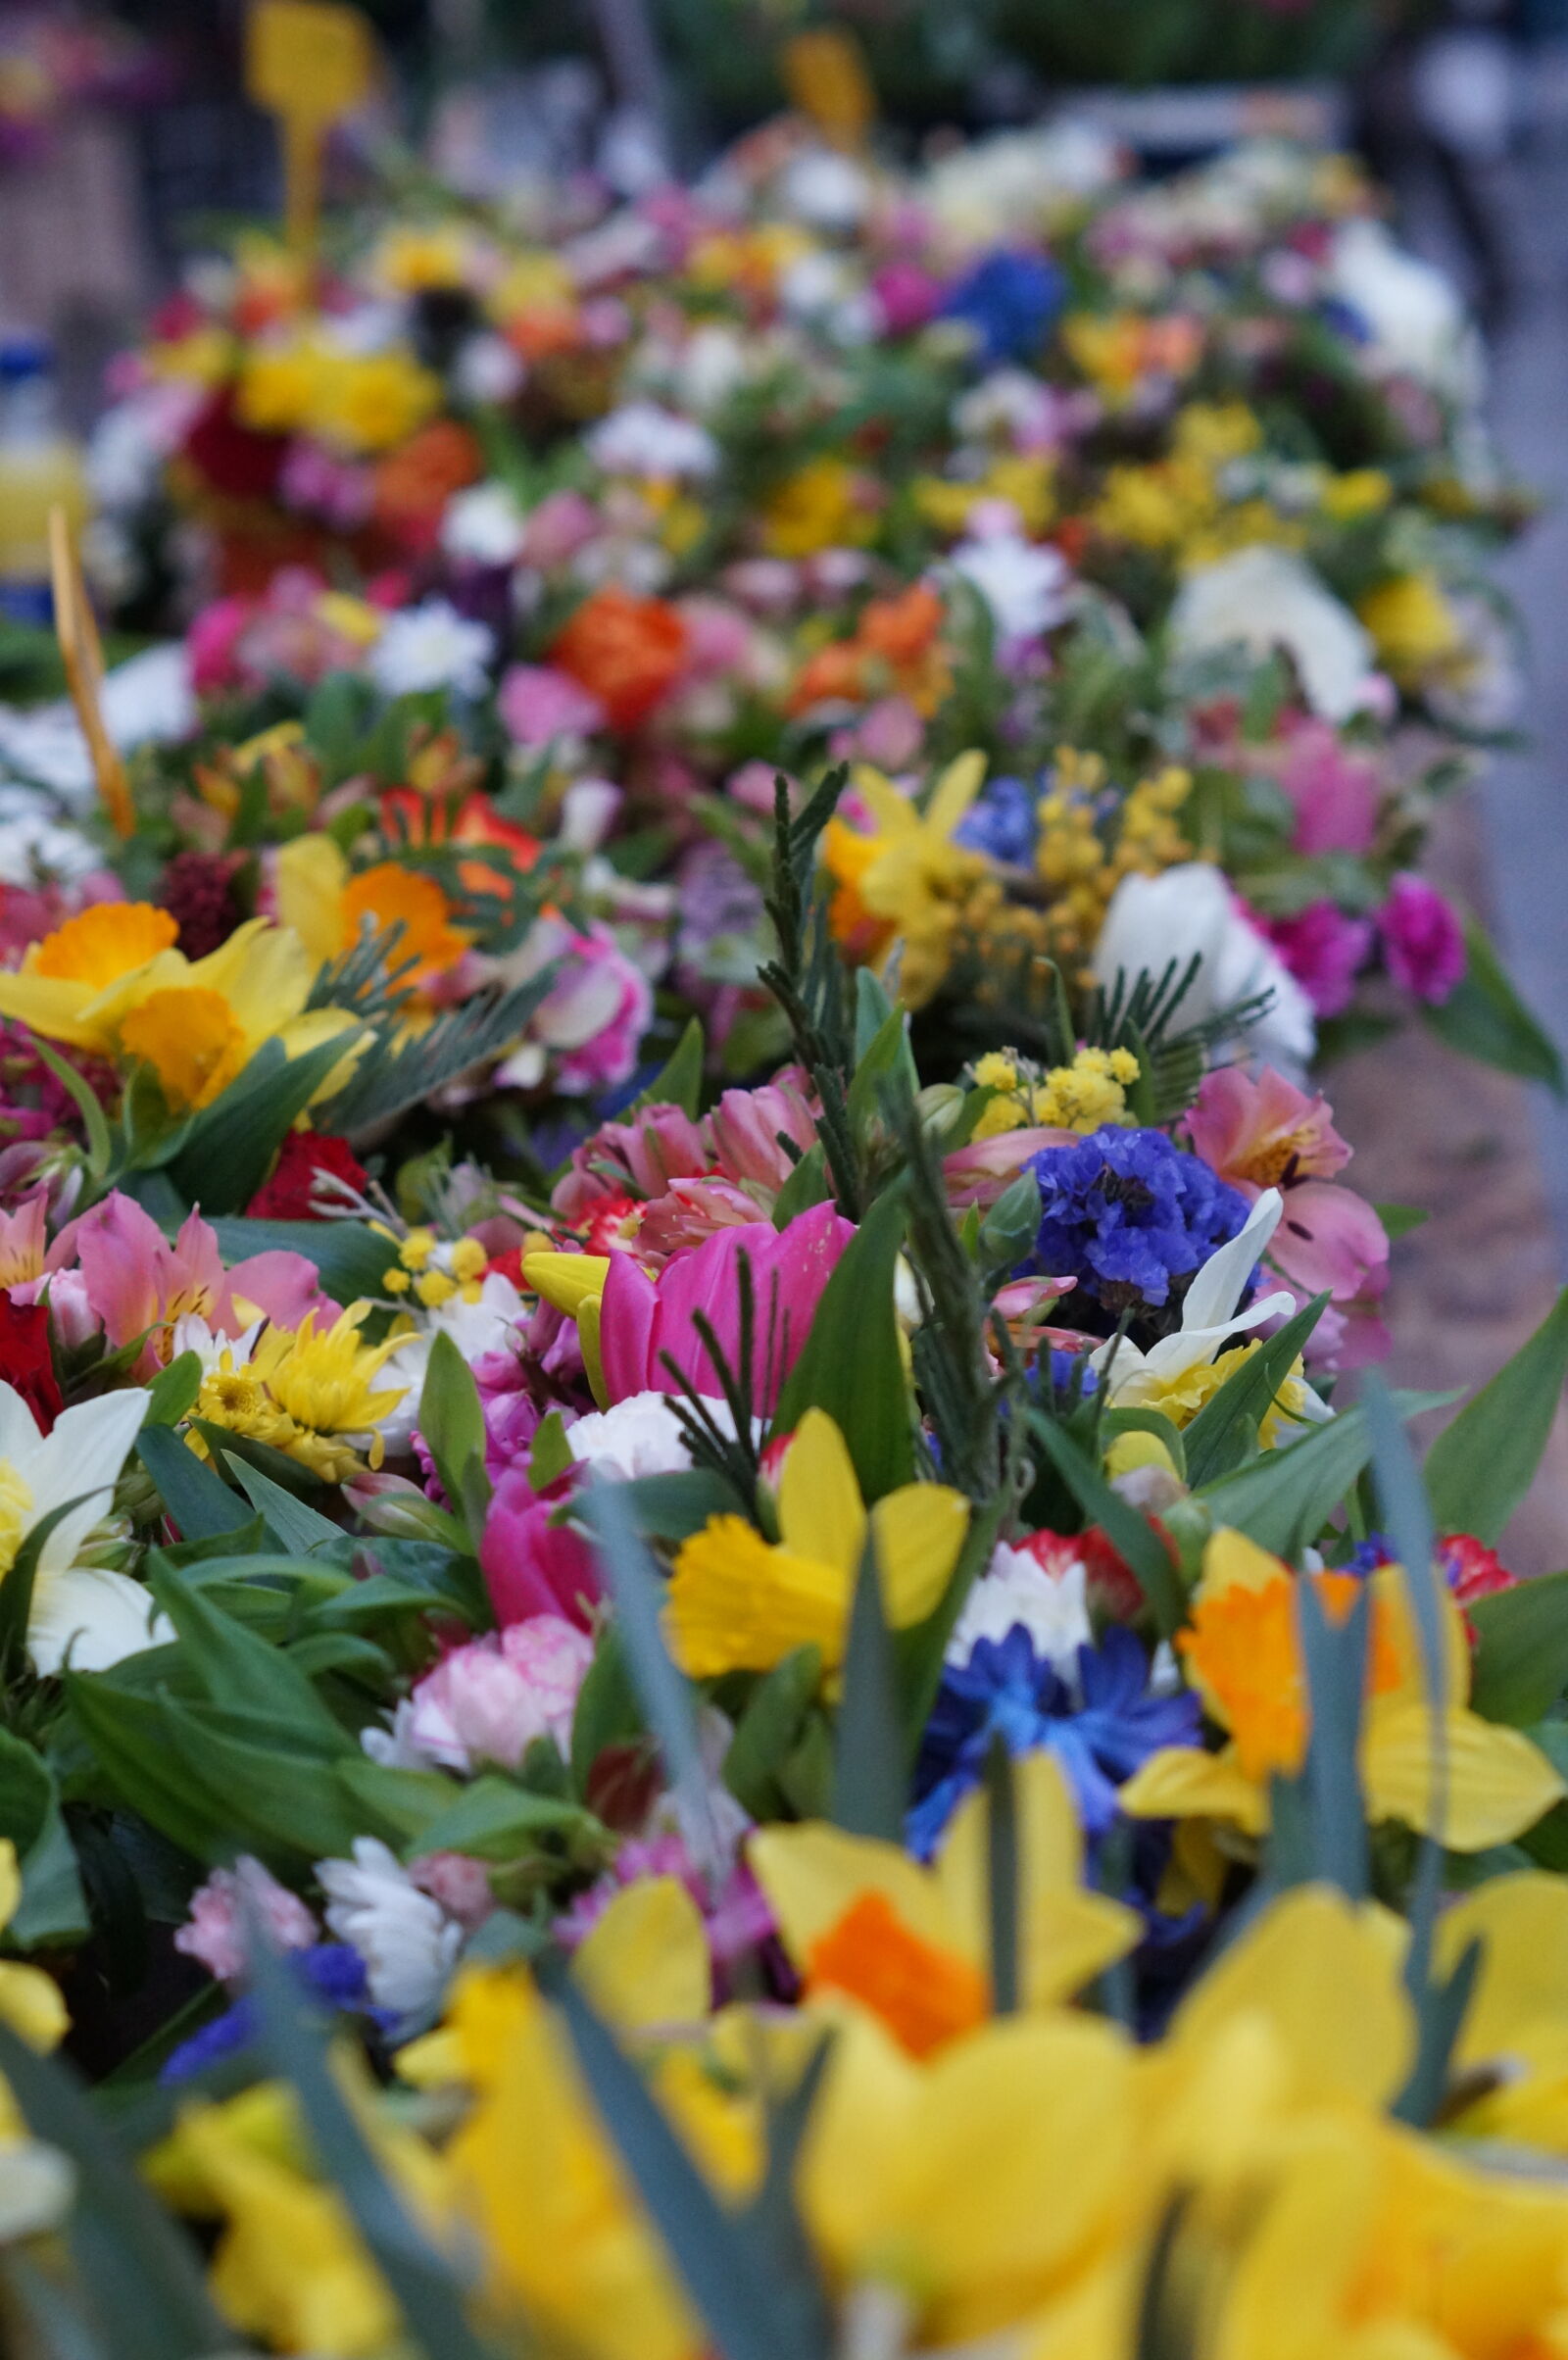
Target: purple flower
{"x":1125,"y":1212}
{"x":1010,"y":300}
{"x":1423,"y":941}
{"x":327,"y":1971}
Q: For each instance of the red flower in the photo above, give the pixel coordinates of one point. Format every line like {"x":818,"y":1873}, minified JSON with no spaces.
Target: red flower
{"x":288,"y":1195}
{"x":1473,"y":1569}
{"x":26,"y":1359}
{"x":231,"y":458}
{"x":1111,"y":1584}
{"x":627,"y":652}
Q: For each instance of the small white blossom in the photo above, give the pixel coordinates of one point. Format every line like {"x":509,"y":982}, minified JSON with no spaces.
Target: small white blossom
{"x":1015,"y":1589}
{"x":405,"y":1938}
{"x":643,"y":438}
{"x":431,"y":646}
{"x":483,"y":524}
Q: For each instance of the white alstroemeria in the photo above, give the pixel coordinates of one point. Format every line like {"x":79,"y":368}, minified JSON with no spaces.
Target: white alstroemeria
{"x":484,"y":525}
{"x":85,"y":1611}
{"x":191,"y":1333}
{"x":1017,"y":1590}
{"x":1209,"y":1316}
{"x":407,"y":1942}
{"x":1192,"y":909}
{"x":432,"y":646}
{"x":1265,"y":597}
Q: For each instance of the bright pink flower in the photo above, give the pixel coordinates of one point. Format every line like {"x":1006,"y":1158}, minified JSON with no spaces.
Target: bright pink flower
{"x":460,"y":1884}
{"x":593,"y":1019}
{"x":1423,"y":940}
{"x":1324,"y":950}
{"x":1263,"y":1132}
{"x":211,"y":646}
{"x":718,"y":639}
{"x":537,"y":704}
{"x":489,"y":1700}
{"x":907,"y":296}
{"x":1330,"y":1241}
{"x":1335,"y":791}
{"x":532,"y":1565}
{"x":746,"y":1126}
{"x":139,"y":1284}
{"x":644,"y":1318}
{"x":653,"y":1147}
{"x":216,"y":1932}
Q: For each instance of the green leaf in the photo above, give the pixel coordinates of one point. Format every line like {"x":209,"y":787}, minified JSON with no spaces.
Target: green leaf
{"x":1484,"y":1017}
{"x":281,"y":1802}
{"x":1002,"y":1878}
{"x":887,"y":1053}
{"x":53,"y":1907}
{"x":200,"y":1502}
{"x":243,"y":1673}
{"x":673,"y":1506}
{"x":172,"y":1392}
{"x":452,"y":1419}
{"x":1009,"y":1228}
{"x":606,"y":1711}
{"x":140,"y":2270}
{"x":1148,"y":1421}
{"x":1283,"y":1499}
{"x":299,"y":1527}
{"x":807,"y":1185}
{"x":852,"y":1365}
{"x":1480,"y":1468}
{"x":228,"y":1150}
{"x":1521,"y":1655}
{"x":350,"y":1258}
{"x":129,"y":1736}
{"x":408,"y":1800}
{"x":868,"y":1765}
{"x":681,"y":1083}
{"x":1129,"y":1534}
{"x":1400,"y":1219}
{"x":94,"y":1121}
{"x":552,"y":1452}
{"x":15,"y":1591}
{"x":1226,"y":1427}
{"x":496,"y":1819}
{"x":27,"y":1790}
{"x":769,"y":1730}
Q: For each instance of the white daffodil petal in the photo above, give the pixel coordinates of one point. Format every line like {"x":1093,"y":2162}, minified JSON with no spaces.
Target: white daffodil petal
{"x":1216,"y":1290}
{"x":95,"y":1617}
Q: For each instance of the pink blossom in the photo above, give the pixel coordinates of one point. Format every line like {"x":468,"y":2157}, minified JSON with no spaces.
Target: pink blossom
{"x":907,"y":296}
{"x":539,"y":704}
{"x":1324,"y":950}
{"x":655,"y":1146}
{"x":1423,"y":941}
{"x":211,"y":646}
{"x":489,"y":1700}
{"x":460,"y":1884}
{"x":1329,"y":1241}
{"x":982,"y":1171}
{"x":745,"y":1127}
{"x":534,"y":1565}
{"x":217,"y":1932}
{"x":139,"y":1284}
{"x":1334,"y":789}
{"x":735,"y":1921}
{"x":643,"y":1318}
{"x":718,"y":640}
{"x":320,"y":483}
{"x":593,"y":1019}
{"x":889,"y":734}
{"x":561,"y":525}
{"x":1260,"y":1131}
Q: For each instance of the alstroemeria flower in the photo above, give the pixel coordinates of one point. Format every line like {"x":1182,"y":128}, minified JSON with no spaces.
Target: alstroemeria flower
{"x":739,"y":1603}
{"x":1242,"y":1652}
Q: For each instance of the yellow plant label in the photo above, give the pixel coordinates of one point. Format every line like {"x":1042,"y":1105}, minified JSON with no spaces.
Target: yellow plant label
{"x":310,"y":59}
{"x":825,"y":75}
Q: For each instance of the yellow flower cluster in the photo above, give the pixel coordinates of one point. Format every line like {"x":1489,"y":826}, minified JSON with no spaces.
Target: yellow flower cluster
{"x":1025,"y":479}
{"x":436,"y":1272}
{"x":360,"y":403}
{"x":825,"y":505}
{"x":1074,"y":862}
{"x":307,"y":1392}
{"x":1081,"y":1097}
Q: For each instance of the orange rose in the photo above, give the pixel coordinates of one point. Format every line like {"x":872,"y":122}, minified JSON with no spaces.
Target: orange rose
{"x":627,"y":652}
{"x":414,"y":484}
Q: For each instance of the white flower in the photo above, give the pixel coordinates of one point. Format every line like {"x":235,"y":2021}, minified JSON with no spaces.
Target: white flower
{"x":94,"y":1616}
{"x":483,"y":524}
{"x":1023,"y":586}
{"x":639,"y":1436}
{"x":1016,"y":1589}
{"x":711,"y":367}
{"x":643,"y":438}
{"x":38,"y":2189}
{"x":150,"y":697}
{"x":1209,"y":1316}
{"x":34,"y":844}
{"x":1265,"y":597}
{"x":405,"y":1938}
{"x":1153,"y":920}
{"x":487,"y":370}
{"x":826,"y":189}
{"x":1416,"y":322}
{"x":431,"y":646}
{"x":990,"y":189}
{"x":1010,"y":402}
{"x":484,"y":1325}
{"x":396,"y":1748}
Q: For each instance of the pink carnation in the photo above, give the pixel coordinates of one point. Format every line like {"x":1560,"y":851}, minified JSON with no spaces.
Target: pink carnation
{"x":489,"y":1700}
{"x":1423,"y":940}
{"x":539,"y":704}
{"x":216,"y":1932}
{"x":1325,"y":950}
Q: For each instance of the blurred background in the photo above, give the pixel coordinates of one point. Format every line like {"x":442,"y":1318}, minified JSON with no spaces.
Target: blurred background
{"x":125,"y":140}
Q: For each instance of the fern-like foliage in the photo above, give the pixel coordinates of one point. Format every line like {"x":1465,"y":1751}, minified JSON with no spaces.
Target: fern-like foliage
{"x":394,"y":1074}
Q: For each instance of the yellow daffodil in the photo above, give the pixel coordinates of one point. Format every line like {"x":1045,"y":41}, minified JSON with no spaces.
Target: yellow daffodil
{"x":738,"y":1603}
{"x":1415,"y":629}
{"x":862,"y":1920}
{"x":29,"y":1999}
{"x":330,"y":905}
{"x":906,"y":882}
{"x":1242,"y":1652}
{"x":111,"y":981}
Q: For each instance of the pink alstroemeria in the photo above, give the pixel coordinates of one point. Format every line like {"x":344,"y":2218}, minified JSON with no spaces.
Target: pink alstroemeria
{"x":1264,"y":1132}
{"x":985,"y":1170}
{"x":640,"y":1318}
{"x":139,"y":1284}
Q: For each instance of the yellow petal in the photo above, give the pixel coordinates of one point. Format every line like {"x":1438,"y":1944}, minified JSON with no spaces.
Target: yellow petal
{"x":820,"y":1510}
{"x":1521,"y":1925}
{"x":1497,"y":1783}
{"x":812,"y":1874}
{"x":644,"y":1960}
{"x":1325,"y":1973}
{"x":734,"y":1604}
{"x":1230,"y":1559}
{"x":312,"y":873}
{"x":30,"y":2002}
{"x":894,"y":814}
{"x":564,"y":1280}
{"x":919,"y":1533}
{"x":955,"y":791}
{"x":10,"y":1881}
{"x":1183,"y":1782}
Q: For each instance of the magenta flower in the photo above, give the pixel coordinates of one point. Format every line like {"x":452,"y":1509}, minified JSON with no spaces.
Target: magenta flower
{"x":1423,"y":940}
{"x":538,"y":704}
{"x":532,"y":1565}
{"x":1325,"y":950}
{"x":643,"y":1318}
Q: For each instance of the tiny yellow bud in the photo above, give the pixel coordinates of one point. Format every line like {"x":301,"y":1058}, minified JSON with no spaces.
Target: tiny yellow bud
{"x":396,"y":1281}
{"x":469,"y":1258}
{"x":434,"y":1289}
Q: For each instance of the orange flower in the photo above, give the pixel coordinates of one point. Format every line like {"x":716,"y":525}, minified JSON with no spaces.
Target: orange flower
{"x":925,"y":1994}
{"x":103,"y":943}
{"x":625,"y":650}
{"x":413,"y":484}
{"x":1243,"y":1650}
{"x":390,"y":895}
{"x":894,"y":649}
{"x":411,"y":819}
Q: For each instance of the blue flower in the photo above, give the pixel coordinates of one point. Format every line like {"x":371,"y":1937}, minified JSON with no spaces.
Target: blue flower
{"x":329,"y":1970}
{"x":1125,"y":1212}
{"x":1007,"y":1691}
{"x":1001,"y":825}
{"x":1010,"y":300}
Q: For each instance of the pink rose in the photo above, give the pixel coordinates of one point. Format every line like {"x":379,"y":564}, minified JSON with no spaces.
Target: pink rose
{"x":1423,"y":940}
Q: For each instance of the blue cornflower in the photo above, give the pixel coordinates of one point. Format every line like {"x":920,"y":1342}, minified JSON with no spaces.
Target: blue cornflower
{"x":1100,"y":1736}
{"x":329,"y":1970}
{"x":1001,"y":825}
{"x":1125,"y":1212}
{"x":1011,"y":299}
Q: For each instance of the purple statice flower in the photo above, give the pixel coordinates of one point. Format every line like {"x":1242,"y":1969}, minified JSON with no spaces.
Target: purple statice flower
{"x":1125,"y":1213}
{"x":325,"y":1971}
{"x":1101,"y":1726}
{"x":1002,"y":823}
{"x":1009,"y":299}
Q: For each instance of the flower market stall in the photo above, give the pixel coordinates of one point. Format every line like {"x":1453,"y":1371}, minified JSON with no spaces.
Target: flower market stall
{"x":714,"y":1636}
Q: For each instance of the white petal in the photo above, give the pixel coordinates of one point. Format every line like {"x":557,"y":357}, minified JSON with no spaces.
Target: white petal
{"x":96,"y":1616}
{"x":1214,"y":1293}
{"x":1173,"y":1356}
{"x":81,"y":1461}
{"x":18,"y":1429}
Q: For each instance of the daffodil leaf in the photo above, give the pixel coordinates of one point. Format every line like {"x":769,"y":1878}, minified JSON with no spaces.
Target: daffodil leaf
{"x":200,"y":1502}
{"x":297,"y":1525}
{"x":1521,"y":1655}
{"x":1002,"y":1877}
{"x":1480,"y":1468}
{"x":679,"y":1083}
{"x":172,"y":1392}
{"x":769,"y":1731}
{"x":129,"y":1737}
{"x":1131,"y":1535}
{"x":749,"y":2311}
{"x":94,"y":1121}
{"x":1334,"y":1659}
{"x":241,"y":1672}
{"x":350,"y":1258}
{"x":278,"y":1799}
{"x":1484,"y":1017}
{"x":852,"y":1365}
{"x":422,"y":2281}
{"x":869,"y":1779}
{"x":140,"y":2270}
{"x":1225,"y":1430}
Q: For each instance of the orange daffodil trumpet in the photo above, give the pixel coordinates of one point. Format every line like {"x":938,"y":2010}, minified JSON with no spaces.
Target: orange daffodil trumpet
{"x":111,"y":981}
{"x":1242,"y":1652}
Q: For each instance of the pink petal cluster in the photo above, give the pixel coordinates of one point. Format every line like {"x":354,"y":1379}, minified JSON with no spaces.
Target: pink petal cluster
{"x":1325,"y":950}
{"x":594,"y":1017}
{"x":1335,"y":789}
{"x":692,"y":1178}
{"x":535,"y":1565}
{"x":216,"y":1932}
{"x":1423,"y":940}
{"x":489,"y":1700}
{"x":538,"y":704}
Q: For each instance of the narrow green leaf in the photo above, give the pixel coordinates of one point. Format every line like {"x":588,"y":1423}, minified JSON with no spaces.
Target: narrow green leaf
{"x":350,"y":1258}
{"x":1226,"y":1427}
{"x":496,"y":1819}
{"x":172,"y":1392}
{"x":1521,"y":1655}
{"x":200,"y":1502}
{"x":1001,"y":1879}
{"x":552,"y":1452}
{"x":229,"y":1148}
{"x":1484,"y":1017}
{"x":129,"y":1739}
{"x":868,"y":1770}
{"x":1480,"y":1468}
{"x":94,"y":1121}
{"x":1129,"y":1534}
{"x":681,"y":1082}
{"x":887,"y":1053}
{"x":452,"y":1419}
{"x":770,"y":1729}
{"x":298,"y":1526}
{"x":852,"y":1365}
{"x":807,"y":1185}
{"x":241,"y":1672}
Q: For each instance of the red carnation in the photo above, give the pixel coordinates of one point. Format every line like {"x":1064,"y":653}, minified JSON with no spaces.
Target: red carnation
{"x":289,"y":1195}
{"x":26,"y":1359}
{"x":231,"y":458}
